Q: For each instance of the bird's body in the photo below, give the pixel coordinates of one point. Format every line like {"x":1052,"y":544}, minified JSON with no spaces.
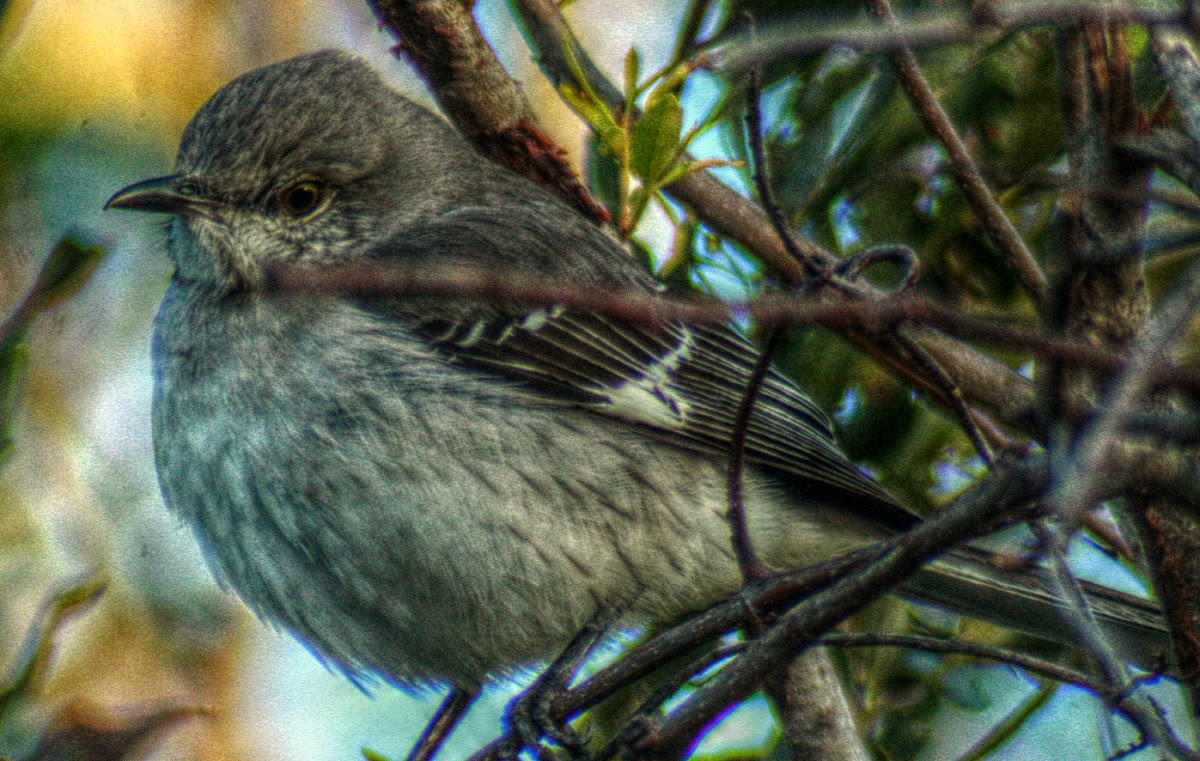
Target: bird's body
{"x":311,"y":461}
{"x":428,"y":489}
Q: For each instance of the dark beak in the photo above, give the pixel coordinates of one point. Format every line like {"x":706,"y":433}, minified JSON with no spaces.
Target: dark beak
{"x":167,"y":195}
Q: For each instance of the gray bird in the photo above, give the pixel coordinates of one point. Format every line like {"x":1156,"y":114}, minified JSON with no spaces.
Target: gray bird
{"x":429,"y":490}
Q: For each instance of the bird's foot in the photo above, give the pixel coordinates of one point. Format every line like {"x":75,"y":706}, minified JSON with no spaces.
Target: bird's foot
{"x":532,"y":717}
{"x":533,"y":724}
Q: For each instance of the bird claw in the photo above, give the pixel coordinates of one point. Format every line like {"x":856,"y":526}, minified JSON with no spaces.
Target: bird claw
{"x":532,"y":724}
{"x":531,"y":719}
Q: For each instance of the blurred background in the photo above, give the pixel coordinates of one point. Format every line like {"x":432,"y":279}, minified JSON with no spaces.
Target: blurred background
{"x":94,"y":96}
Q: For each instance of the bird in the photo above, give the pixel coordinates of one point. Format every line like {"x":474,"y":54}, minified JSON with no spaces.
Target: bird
{"x":446,"y":490}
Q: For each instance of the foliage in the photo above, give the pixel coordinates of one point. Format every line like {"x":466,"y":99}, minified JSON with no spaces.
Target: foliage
{"x":853,"y":167}
{"x":646,"y":146}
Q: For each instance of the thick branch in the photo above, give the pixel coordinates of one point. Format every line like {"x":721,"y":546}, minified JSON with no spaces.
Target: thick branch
{"x":1168,"y":532}
{"x":809,"y":620}
{"x":1076,"y":491}
{"x":444,"y":44}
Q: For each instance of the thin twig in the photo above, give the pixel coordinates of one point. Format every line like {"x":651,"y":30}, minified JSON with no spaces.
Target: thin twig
{"x":752,"y":567}
{"x":953,"y":395}
{"x":1108,"y":533}
{"x":762,"y":181}
{"x":1121,"y":692}
{"x":944,"y":25}
{"x":456,"y":704}
{"x":369,"y":279}
{"x":903,"y":257}
{"x":962,"y":167}
{"x":1030,"y":663}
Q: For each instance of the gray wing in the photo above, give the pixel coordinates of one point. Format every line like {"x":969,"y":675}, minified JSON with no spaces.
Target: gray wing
{"x":683,"y":384}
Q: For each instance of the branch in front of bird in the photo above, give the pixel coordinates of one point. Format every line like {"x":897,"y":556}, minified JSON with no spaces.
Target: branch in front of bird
{"x":875,"y":316}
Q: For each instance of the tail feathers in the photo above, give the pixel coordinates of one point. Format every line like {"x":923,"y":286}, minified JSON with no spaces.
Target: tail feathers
{"x":968,"y":580}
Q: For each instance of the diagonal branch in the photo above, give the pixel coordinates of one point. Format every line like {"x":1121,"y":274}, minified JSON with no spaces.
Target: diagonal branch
{"x":446,"y":47}
{"x":1001,"y":492}
{"x":962,"y":166}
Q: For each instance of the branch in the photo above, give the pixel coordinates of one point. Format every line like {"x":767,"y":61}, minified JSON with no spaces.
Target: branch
{"x":1030,"y":663}
{"x":1100,"y":297}
{"x":948,"y":25}
{"x":752,"y":567}
{"x":863,"y":574}
{"x":768,"y":310}
{"x":446,"y":47}
{"x":1009,"y":486}
{"x":962,"y":166}
{"x":1118,"y":698}
{"x":801,"y":691}
{"x":1076,"y":492}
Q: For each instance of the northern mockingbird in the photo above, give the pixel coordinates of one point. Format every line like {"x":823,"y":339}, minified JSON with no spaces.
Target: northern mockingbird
{"x":440,"y":489}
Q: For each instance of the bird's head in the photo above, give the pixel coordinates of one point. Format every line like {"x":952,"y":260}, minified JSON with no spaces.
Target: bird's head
{"x":310,"y":160}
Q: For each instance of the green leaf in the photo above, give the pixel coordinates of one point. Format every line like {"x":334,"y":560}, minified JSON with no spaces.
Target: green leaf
{"x":654,"y":138}
{"x":603,"y":173}
{"x":593,"y":111}
{"x":582,"y":97}
{"x":632,"y":72}
{"x":371,"y":755}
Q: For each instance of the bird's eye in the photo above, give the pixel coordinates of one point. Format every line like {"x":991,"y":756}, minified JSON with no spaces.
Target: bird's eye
{"x":301,"y":199}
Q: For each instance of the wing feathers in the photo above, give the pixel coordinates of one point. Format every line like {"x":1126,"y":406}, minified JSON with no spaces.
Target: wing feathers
{"x":685,"y":383}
